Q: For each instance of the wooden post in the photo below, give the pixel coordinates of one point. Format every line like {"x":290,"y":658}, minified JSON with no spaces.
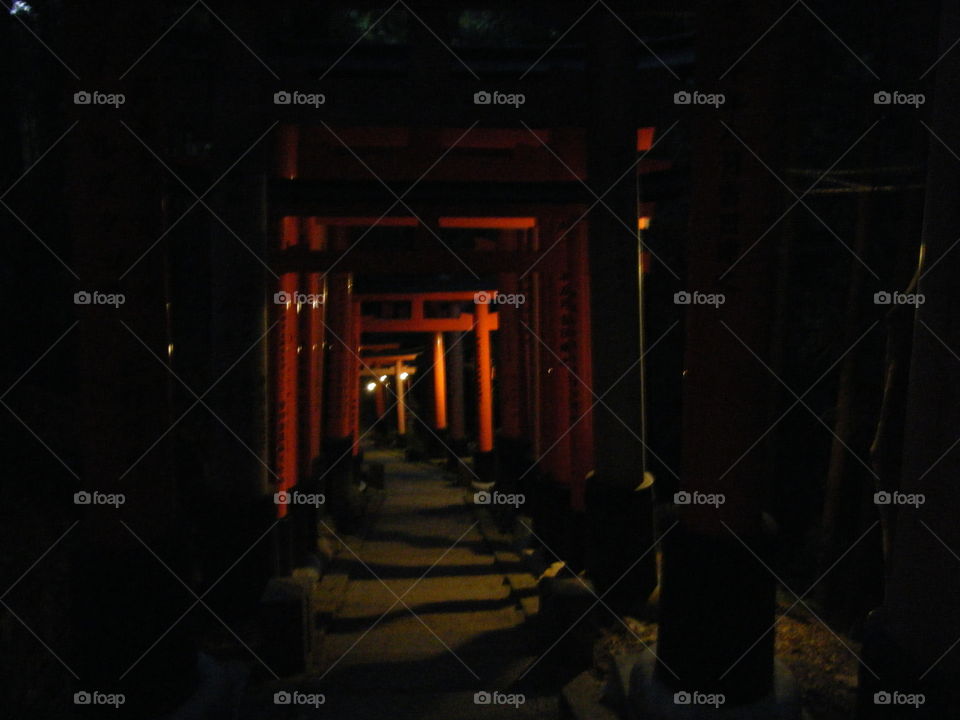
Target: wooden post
{"x":380,"y":399}
{"x":509,"y":361}
{"x":355,"y":374}
{"x":312,"y":355}
{"x":337,"y":425}
{"x":120,"y":596}
{"x":619,"y":507}
{"x":726,"y":644}
{"x":484,"y":461}
{"x":286,"y":375}
{"x":439,"y":383}
{"x":401,"y":403}
{"x":484,"y":386}
{"x":456,"y":411}
{"x":911,"y":642}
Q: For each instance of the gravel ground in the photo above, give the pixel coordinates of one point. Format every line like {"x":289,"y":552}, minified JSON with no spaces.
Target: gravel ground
{"x":824,"y":664}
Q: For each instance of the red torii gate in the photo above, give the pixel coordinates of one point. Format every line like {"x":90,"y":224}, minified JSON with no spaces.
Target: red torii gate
{"x":481,"y":322}
{"x":544,"y":367}
{"x":534,"y":213}
{"x":381,"y":367}
{"x":544,"y":349}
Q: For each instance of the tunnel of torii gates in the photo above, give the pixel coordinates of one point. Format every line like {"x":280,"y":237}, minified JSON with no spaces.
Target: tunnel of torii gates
{"x":543,"y":361}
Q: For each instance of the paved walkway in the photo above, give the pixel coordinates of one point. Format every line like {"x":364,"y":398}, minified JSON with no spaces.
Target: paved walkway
{"x":454,"y":631}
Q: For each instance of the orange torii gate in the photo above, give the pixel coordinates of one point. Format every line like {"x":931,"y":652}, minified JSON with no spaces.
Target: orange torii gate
{"x":383,"y":366}
{"x":543,"y":371}
{"x":534,"y":221}
{"x":436,"y":313}
{"x":419,"y":318}
{"x":537,"y":250}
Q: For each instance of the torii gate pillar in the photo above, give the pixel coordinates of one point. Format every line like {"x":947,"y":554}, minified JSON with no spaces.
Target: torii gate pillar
{"x":439,"y":384}
{"x":401,"y":401}
{"x":484,"y":463}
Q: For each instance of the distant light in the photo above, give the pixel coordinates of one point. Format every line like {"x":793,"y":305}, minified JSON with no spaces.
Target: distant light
{"x":20,"y":7}
{"x":170,"y":350}
{"x":371,"y":386}
{"x":404,"y":376}
{"x":383,"y":378}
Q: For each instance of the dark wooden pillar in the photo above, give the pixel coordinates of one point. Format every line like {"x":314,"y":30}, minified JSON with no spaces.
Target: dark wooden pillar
{"x":122,"y":596}
{"x":911,"y":641}
{"x":717,"y":598}
{"x":619,"y":515}
{"x":484,"y":461}
{"x":456,"y":412}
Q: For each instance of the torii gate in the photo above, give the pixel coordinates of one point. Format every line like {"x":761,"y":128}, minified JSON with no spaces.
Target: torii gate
{"x":543,"y":238}
{"x":381,"y":367}
{"x":481,"y":322}
{"x":544,"y":371}
{"x":539,"y":212}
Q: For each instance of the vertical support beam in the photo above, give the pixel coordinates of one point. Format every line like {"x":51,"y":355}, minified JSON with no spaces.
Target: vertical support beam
{"x":311,"y":308}
{"x":340,"y":397}
{"x":581,"y":363}
{"x":439,"y":384}
{"x":910,"y":640}
{"x":512,"y":448}
{"x":338,"y":427}
{"x":287,"y":359}
{"x":456,"y":410}
{"x":119,"y":601}
{"x":401,"y":400}
{"x":531,"y":286}
{"x":313,"y":349}
{"x":484,"y":465}
{"x":380,"y":399}
{"x":509,"y":364}
{"x":552,"y":516}
{"x":528,"y":344}
{"x":619,"y":509}
{"x":288,"y":151}
{"x":356,"y":330}
{"x":726,"y":645}
{"x":554,"y":381}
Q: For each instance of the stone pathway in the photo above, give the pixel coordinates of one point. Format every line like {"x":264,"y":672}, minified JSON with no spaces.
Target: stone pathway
{"x":457,"y":631}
